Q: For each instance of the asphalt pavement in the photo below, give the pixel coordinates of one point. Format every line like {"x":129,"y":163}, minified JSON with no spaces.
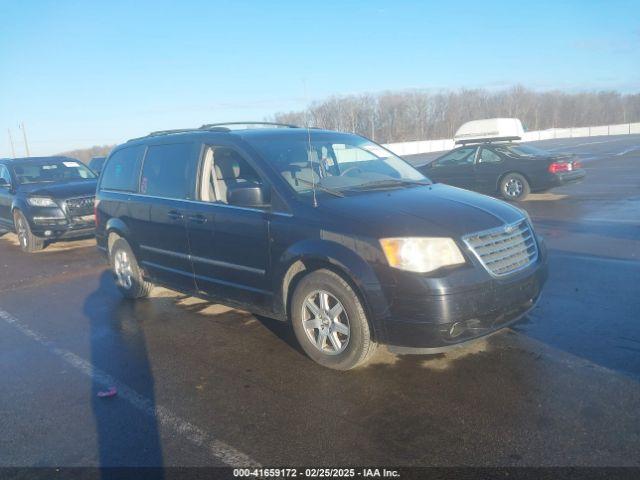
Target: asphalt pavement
{"x":199,"y":384}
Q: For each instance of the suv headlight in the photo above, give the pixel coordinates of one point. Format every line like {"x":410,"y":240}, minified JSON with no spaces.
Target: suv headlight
{"x":421,"y":254}
{"x":41,"y":202}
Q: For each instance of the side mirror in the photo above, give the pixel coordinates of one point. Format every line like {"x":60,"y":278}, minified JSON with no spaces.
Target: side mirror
{"x":251,"y":196}
{"x":4,"y":183}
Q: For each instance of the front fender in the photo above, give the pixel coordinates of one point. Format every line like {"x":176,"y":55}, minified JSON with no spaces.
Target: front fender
{"x":354,"y":261}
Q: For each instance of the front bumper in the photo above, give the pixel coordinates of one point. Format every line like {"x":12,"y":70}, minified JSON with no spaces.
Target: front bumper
{"x":59,"y":227}
{"x":431,"y":322}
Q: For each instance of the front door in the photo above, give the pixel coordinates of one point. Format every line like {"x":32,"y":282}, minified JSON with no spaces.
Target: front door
{"x":455,"y":168}
{"x":167,"y":186}
{"x":489,"y":168}
{"x":229,"y":244}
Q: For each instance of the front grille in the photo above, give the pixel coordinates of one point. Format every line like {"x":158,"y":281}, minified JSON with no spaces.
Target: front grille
{"x":504,"y":250}
{"x":80,"y":206}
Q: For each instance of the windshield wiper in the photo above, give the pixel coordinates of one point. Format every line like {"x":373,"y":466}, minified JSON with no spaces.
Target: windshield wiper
{"x":330,"y":191}
{"x":389,"y":182}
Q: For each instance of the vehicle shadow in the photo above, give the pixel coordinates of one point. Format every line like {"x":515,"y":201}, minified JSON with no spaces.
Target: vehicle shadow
{"x":126,"y":436}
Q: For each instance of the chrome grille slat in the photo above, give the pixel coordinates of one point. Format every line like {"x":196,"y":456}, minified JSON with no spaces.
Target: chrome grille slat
{"x":504,"y":250}
{"x":506,"y":246}
{"x":79,"y":206}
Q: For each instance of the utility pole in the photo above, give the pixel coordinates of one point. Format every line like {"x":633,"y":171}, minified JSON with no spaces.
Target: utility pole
{"x":13,"y":150}
{"x":24,"y":135}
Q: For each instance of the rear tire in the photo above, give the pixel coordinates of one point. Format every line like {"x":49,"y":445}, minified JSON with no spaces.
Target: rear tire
{"x":330,"y":323}
{"x":126,"y":271}
{"x":29,"y":243}
{"x":514,"y":187}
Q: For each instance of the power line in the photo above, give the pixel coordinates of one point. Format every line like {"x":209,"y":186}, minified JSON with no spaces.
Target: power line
{"x":24,"y":135}
{"x":13,"y":150}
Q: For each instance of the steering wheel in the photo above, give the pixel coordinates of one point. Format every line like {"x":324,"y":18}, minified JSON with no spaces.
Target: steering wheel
{"x":350,"y":169}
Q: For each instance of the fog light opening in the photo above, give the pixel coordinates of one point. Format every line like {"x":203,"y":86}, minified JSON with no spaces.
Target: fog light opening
{"x":47,"y":233}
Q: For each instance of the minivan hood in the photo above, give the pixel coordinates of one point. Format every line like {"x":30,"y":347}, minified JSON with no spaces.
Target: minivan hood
{"x":61,"y":191}
{"x":434,"y":210}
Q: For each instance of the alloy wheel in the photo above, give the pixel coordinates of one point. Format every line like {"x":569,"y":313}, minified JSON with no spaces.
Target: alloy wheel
{"x":513,"y":188}
{"x":122,"y":268}
{"x":23,"y":232}
{"x":325,"y":322}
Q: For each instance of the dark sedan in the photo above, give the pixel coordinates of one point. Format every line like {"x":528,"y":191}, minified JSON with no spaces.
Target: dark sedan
{"x":45,"y":199}
{"x":511,"y":170}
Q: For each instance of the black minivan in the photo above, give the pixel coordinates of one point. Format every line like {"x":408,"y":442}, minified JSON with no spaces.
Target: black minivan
{"x":326,"y":230}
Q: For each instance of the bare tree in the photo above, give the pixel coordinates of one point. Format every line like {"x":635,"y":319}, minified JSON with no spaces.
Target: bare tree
{"x":395,"y":116}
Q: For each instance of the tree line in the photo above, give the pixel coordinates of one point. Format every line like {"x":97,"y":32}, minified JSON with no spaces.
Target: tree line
{"x":85,"y":154}
{"x":399,"y":116}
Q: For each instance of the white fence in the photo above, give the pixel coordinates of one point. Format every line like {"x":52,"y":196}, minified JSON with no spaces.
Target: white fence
{"x":426,"y":146}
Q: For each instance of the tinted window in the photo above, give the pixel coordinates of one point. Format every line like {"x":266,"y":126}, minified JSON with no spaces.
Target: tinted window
{"x":521,"y":150}
{"x":461,"y":156}
{"x":487,"y":156}
{"x":4,"y":173}
{"x":96,"y":164}
{"x":169,"y":171}
{"x":122,"y":170}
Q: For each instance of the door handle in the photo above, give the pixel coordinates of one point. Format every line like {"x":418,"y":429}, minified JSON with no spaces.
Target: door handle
{"x":197,"y":219}
{"x":174,"y":215}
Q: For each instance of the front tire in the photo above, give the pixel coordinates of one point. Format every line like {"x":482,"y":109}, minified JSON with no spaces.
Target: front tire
{"x":330,"y":322}
{"x":29,"y":243}
{"x":514,"y":187}
{"x":126,"y":271}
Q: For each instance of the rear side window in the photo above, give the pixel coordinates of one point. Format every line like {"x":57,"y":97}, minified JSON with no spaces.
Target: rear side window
{"x":169,"y":171}
{"x":123,"y":169}
{"x":487,"y":156}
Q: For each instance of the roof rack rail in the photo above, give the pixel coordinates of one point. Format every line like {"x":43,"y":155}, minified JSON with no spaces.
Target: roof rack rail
{"x":486,"y":140}
{"x":169,"y":132}
{"x":211,"y":126}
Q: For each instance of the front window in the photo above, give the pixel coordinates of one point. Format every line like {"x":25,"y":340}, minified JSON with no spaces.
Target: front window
{"x":336,"y":163}
{"x":51,"y":171}
{"x":521,"y":150}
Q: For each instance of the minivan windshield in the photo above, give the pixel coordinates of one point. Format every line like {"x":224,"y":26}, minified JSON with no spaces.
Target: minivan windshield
{"x":51,"y":171}
{"x":336,"y":163}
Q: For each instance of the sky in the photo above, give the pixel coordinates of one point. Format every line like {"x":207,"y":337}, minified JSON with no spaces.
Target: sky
{"x":83,"y":73}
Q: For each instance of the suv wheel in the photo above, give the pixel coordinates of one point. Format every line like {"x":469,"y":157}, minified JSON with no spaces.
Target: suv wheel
{"x":126,"y":272}
{"x":514,"y":187}
{"x":330,"y":323}
{"x":28,"y":241}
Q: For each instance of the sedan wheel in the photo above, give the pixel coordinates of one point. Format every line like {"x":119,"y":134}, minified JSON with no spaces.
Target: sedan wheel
{"x":514,"y":187}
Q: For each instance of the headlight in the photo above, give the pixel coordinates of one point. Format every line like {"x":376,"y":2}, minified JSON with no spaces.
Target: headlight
{"x":421,"y":254}
{"x":41,"y":202}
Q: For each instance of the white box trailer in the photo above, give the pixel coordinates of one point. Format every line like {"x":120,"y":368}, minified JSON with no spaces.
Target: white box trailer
{"x":489,"y":130}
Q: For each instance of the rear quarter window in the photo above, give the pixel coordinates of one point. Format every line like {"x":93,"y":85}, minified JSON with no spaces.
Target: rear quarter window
{"x":123,"y":169}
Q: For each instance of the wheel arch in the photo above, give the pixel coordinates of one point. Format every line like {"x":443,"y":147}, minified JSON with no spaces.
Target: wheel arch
{"x":315,"y":255}
{"x":115,"y":228}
